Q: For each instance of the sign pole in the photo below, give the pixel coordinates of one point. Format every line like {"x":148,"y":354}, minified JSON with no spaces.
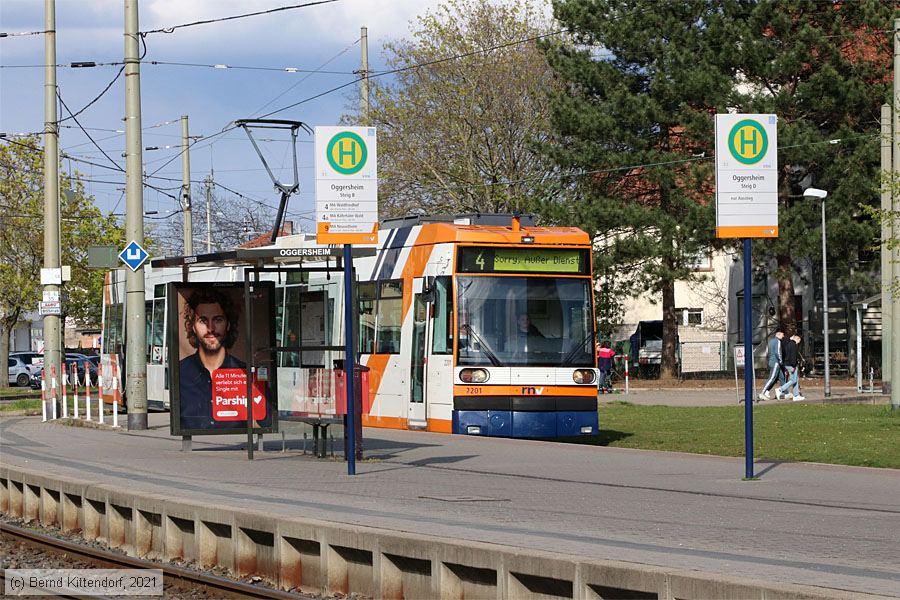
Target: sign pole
{"x":349,"y":360}
{"x":748,"y":358}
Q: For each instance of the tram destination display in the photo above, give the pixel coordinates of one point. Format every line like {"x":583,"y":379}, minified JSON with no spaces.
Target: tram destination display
{"x":522,"y":260}
{"x":208,"y":358}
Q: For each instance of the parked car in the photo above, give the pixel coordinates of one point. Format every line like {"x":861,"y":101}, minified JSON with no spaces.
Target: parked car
{"x":81,"y":361}
{"x":21,"y":372}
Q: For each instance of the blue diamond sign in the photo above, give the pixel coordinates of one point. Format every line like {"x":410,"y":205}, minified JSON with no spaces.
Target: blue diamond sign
{"x":133,"y":255}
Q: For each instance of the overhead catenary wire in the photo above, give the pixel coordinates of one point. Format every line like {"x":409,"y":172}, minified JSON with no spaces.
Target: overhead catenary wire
{"x":108,"y":157}
{"x":172,"y":28}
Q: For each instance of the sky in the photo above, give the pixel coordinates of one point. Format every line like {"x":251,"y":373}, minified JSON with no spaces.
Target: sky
{"x":323,"y":38}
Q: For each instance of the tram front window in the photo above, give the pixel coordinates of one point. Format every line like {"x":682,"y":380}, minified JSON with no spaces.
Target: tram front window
{"x":538,"y":321}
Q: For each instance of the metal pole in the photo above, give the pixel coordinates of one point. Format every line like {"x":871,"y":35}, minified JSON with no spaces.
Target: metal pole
{"x":364,"y":73}
{"x":186,"y":188}
{"x":135,"y":318}
{"x":748,"y":358}
{"x":825,"y":306}
{"x":895,"y":206}
{"x":349,"y":359}
{"x":887,"y":266}
{"x":52,"y":323}
{"x":859,"y":368}
{"x":209,"y":184}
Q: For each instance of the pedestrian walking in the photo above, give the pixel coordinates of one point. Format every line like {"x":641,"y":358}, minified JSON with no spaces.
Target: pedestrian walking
{"x":605,"y":357}
{"x":776,"y":366}
{"x":790,"y":357}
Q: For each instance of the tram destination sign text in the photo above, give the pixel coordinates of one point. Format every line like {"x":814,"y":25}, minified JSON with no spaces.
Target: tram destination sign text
{"x":522,"y":260}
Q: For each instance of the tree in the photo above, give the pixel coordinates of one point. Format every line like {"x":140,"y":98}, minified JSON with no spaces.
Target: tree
{"x":22,"y":241}
{"x":635,"y":115}
{"x":824,"y":69}
{"x":458,"y":135}
{"x":234,"y":218}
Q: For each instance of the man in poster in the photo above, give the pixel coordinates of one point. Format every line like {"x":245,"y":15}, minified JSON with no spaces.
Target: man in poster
{"x":211,"y":325}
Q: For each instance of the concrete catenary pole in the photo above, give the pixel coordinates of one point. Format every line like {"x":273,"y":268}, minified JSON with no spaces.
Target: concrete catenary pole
{"x":52,"y":323}
{"x":364,"y":73}
{"x":186,"y":188}
{"x":887,"y":267}
{"x":895,"y":206}
{"x":135,"y":318}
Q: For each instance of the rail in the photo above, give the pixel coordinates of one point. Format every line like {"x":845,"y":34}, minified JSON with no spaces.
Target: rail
{"x":171,"y":573}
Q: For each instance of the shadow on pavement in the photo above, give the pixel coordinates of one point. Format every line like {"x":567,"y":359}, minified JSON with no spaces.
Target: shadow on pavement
{"x":604,"y":438}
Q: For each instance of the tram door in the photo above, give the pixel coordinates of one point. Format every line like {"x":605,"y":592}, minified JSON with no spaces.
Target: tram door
{"x":416,"y":415}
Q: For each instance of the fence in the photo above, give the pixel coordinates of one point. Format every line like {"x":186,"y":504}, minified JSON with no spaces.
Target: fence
{"x":703,"y":357}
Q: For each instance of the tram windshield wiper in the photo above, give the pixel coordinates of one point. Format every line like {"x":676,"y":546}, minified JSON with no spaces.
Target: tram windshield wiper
{"x":485,"y":347}
{"x":576,"y":349}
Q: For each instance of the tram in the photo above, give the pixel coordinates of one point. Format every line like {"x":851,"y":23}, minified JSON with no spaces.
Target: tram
{"x":468,"y":324}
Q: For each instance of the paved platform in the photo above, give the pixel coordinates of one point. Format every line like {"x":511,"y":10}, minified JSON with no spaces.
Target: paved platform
{"x":829,"y":526}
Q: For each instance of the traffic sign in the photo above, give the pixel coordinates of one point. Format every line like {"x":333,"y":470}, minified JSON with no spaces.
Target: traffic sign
{"x":133,"y":255}
{"x":746,"y":176}
{"x":50,"y":308}
{"x":346,"y":185}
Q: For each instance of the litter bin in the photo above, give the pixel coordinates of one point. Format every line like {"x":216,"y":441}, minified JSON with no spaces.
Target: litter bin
{"x":361,"y":400}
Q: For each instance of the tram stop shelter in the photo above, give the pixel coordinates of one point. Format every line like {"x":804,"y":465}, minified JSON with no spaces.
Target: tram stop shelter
{"x":292,"y":299}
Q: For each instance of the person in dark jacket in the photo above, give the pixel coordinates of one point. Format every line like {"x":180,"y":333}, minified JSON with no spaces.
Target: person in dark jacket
{"x":776,"y":366}
{"x":790,"y":357}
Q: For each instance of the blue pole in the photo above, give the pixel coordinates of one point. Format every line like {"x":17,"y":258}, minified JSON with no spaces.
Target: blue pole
{"x":748,"y":358}
{"x":349,"y":359}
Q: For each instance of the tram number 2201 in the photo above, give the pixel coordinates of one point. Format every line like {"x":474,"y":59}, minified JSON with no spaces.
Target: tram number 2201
{"x":473,"y":390}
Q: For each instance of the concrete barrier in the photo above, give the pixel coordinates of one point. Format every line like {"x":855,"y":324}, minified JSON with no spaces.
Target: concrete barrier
{"x":329,"y":558}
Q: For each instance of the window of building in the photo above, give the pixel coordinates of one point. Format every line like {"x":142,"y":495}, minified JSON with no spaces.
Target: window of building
{"x":701,"y":261}
{"x":689,"y":316}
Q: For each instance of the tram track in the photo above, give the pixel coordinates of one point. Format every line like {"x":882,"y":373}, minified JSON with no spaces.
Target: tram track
{"x":174,"y":576}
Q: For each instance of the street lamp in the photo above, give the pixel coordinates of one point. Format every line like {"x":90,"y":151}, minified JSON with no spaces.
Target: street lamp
{"x":822,"y":194}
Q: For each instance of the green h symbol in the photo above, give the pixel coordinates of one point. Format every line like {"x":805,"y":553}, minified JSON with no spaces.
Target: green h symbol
{"x":751,"y":141}
{"x":345,"y":148}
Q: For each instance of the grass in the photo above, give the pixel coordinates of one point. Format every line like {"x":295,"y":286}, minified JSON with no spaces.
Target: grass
{"x":845,"y":434}
{"x":15,"y":392}
{"x":27,"y":406}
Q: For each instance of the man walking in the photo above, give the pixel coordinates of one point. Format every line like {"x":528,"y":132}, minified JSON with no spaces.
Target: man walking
{"x":776,"y":365}
{"x":790,"y":356}
{"x":605,"y":357}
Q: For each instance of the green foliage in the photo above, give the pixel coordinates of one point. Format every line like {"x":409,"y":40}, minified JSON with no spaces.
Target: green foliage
{"x":457,"y":135}
{"x":824,"y":70}
{"x":22,"y":237}
{"x":641,"y":81}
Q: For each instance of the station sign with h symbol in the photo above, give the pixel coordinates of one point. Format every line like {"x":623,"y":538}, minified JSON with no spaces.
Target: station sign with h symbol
{"x":746,"y":176}
{"x":346,"y":185}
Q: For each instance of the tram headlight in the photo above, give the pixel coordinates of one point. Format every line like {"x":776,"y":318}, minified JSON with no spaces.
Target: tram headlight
{"x":474,"y":375}
{"x":584,"y":376}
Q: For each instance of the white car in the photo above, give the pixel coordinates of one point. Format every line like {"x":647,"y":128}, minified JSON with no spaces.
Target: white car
{"x":21,"y":372}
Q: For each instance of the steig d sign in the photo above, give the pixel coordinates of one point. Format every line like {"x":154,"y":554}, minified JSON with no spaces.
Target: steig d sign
{"x":746,"y":176}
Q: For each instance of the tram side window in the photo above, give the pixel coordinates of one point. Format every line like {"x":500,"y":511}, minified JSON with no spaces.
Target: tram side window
{"x":366,"y":294}
{"x":387,"y":324}
{"x":442,"y":337}
{"x":113,"y":335}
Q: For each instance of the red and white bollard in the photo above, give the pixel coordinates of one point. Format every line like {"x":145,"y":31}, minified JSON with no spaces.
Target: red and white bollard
{"x":74,"y":392}
{"x":100,"y":396}
{"x":53,"y":395}
{"x":117,"y":394}
{"x":65,"y":399}
{"x":87,"y":395}
{"x":43,"y":398}
{"x":626,"y":373}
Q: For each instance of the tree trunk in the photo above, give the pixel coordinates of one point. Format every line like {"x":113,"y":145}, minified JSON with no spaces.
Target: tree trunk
{"x":668,"y":369}
{"x":4,"y":356}
{"x":787,"y":317}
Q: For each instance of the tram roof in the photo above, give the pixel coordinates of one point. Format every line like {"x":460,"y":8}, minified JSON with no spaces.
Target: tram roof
{"x":439,"y":229}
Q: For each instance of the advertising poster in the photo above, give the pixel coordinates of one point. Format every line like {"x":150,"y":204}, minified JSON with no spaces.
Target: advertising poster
{"x":209,"y":358}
